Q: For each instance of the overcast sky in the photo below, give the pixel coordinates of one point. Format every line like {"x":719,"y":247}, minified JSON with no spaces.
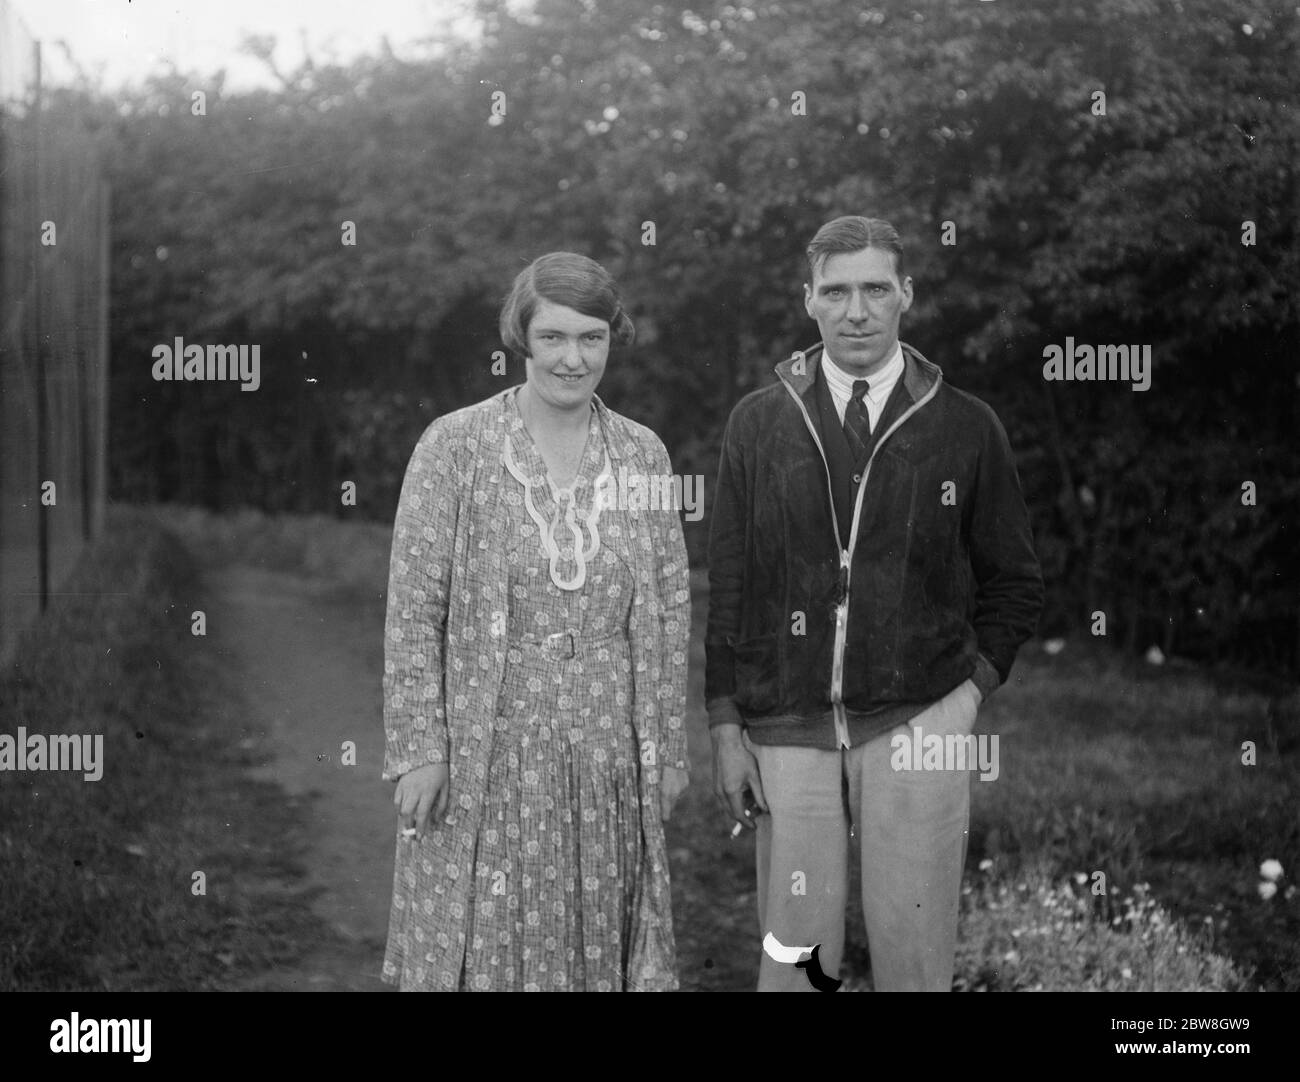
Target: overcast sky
{"x":126,"y":40}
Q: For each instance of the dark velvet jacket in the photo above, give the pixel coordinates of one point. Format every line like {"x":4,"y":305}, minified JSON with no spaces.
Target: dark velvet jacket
{"x":845,"y":597}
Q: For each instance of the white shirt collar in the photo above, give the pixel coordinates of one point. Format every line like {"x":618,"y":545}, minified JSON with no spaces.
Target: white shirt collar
{"x":881,"y":384}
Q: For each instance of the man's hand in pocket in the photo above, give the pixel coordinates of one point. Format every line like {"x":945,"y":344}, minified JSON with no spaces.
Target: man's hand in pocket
{"x":955,"y":713}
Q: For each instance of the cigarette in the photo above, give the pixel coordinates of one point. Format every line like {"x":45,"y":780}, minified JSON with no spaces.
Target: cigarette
{"x":739,"y":827}
{"x":408,"y":832}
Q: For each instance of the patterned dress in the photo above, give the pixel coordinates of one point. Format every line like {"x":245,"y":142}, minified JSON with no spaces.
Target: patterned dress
{"x":559,"y":851}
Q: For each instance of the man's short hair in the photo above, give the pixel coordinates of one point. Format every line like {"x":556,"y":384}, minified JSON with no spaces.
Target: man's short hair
{"x":852,"y":233}
{"x":571,"y":280}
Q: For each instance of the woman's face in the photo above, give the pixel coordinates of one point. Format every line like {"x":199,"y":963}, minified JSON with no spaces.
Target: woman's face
{"x":566,"y":355}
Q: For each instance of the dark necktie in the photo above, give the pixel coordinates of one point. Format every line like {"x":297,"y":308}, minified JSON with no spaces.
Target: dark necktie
{"x":857,"y":421}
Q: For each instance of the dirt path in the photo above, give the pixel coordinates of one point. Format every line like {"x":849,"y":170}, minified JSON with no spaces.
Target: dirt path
{"x":309,"y":658}
{"x":310,"y":665}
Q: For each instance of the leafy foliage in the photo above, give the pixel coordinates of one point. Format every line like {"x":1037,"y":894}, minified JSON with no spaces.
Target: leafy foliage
{"x":736,"y":129}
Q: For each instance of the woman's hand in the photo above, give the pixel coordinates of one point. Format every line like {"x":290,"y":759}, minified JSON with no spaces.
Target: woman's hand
{"x":671,"y":786}
{"x":425,"y":789}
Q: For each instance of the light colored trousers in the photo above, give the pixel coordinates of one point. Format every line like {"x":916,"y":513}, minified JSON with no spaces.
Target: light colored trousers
{"x":912,"y":827}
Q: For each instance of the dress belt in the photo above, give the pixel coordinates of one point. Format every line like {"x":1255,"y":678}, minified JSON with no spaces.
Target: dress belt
{"x":565,"y":644}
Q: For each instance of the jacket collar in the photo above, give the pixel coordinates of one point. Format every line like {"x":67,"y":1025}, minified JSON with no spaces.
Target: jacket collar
{"x":919,"y":375}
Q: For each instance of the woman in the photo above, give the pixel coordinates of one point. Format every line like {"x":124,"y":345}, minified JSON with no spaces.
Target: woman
{"x":535,"y":673}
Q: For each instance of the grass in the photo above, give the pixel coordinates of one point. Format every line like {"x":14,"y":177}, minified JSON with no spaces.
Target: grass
{"x":98,"y":885}
{"x":1136,"y":772}
{"x":1040,"y":935}
{"x":351,"y":556}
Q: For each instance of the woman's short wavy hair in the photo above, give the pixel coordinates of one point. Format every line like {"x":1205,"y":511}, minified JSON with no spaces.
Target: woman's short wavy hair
{"x":571,"y":280}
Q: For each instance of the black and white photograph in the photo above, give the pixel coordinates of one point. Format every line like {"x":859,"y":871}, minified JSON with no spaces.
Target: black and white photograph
{"x":595,"y":496}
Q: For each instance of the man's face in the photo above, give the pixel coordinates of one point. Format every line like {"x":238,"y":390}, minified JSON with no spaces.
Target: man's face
{"x":857,"y":300}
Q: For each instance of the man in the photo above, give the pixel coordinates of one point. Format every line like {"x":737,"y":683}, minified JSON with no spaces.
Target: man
{"x":871,"y":567}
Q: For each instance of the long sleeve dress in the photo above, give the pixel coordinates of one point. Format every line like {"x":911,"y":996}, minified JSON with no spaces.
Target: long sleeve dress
{"x":557,"y":879}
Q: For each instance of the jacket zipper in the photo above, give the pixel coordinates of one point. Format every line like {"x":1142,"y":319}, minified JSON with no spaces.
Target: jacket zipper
{"x":846,"y":555}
